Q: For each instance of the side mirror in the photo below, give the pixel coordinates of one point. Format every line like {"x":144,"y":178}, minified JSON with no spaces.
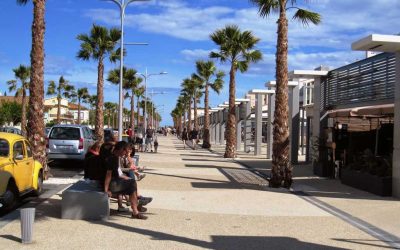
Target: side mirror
{"x":19,"y":157}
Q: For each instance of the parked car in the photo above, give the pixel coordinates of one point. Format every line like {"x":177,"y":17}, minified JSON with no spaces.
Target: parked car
{"x":11,"y":130}
{"x":19,"y":172}
{"x":69,"y":142}
{"x":46,"y":131}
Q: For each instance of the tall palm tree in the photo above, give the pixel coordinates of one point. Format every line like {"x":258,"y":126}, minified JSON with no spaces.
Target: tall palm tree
{"x":236,"y":47}
{"x":184,"y":101}
{"x":139,"y":93}
{"x":108,"y":106}
{"x":281,"y":167}
{"x":63,"y":88}
{"x":97,"y":45}
{"x":82,"y":94}
{"x":22,"y":74}
{"x":206,"y":70}
{"x":130,"y":83}
{"x":36,"y":124}
{"x":92,"y":100}
{"x":187,"y":93}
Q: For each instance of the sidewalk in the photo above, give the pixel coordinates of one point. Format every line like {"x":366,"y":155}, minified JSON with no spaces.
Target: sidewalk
{"x":202,"y":200}
{"x":365,"y":210}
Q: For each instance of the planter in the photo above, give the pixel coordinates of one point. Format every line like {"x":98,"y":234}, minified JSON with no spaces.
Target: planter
{"x":365,"y":181}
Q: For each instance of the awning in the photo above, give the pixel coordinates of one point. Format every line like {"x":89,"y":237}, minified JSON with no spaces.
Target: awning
{"x":376,"y":111}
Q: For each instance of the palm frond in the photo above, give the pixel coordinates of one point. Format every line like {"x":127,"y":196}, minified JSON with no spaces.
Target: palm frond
{"x":305,"y":17}
{"x":265,"y":7}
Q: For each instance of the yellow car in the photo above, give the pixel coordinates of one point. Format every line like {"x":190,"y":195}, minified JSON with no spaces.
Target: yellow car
{"x":19,"y":172}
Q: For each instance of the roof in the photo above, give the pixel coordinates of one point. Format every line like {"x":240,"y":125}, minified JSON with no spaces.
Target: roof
{"x":11,"y":136}
{"x":74,"y":106}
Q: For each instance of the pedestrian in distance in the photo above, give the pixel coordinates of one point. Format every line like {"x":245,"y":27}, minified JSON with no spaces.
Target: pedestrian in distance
{"x":193,"y":137}
{"x":155,"y":144}
{"x":184,"y":137}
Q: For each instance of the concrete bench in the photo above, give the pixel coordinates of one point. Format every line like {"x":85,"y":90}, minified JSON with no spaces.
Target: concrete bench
{"x":85,"y":201}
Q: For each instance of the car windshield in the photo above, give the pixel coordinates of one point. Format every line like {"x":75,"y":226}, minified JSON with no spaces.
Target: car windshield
{"x":65,"y":133}
{"x":4,"y":148}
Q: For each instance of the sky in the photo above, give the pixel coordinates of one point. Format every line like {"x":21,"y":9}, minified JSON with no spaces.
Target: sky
{"x":178,"y":34}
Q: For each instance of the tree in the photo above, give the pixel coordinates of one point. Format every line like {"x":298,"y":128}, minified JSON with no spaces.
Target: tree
{"x":92,"y":100}
{"x":109,"y":106}
{"x":10,"y":112}
{"x":22,"y":74}
{"x":62,"y":89}
{"x":138,"y":92}
{"x":130,"y":83}
{"x":36,"y":126}
{"x":281,"y":168}
{"x":82,"y":94}
{"x":206,"y":70}
{"x":97,"y":45}
{"x":236,"y":47}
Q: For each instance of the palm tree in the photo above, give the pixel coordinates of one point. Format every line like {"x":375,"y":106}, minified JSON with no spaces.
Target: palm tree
{"x":92,"y":100}
{"x":130,"y":83}
{"x":237,"y":48}
{"x":184,"y":102}
{"x":62,"y":89}
{"x":206,"y":70}
{"x":281,"y":167}
{"x":36,"y":124}
{"x":22,"y":74}
{"x":82,"y":95}
{"x":138,"y":92}
{"x":97,"y":45}
{"x":108,"y":106}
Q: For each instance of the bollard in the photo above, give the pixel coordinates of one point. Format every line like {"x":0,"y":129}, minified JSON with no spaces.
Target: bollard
{"x":27,"y":219}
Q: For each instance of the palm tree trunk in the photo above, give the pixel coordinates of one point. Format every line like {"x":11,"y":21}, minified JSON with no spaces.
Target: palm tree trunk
{"x":206,"y":132}
{"x":133,"y":113}
{"x":281,"y":169}
{"x":79,"y":111}
{"x":23,"y":118}
{"x":196,"y":124}
{"x":138,"y":112}
{"x":58,"y":110}
{"x":230,"y":150}
{"x":36,"y":87}
{"x":109,"y":119}
{"x":99,"y":127}
{"x":184,"y":119}
{"x":189,"y":124}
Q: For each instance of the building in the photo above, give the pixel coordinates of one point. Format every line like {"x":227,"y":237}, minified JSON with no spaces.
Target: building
{"x":68,"y":111}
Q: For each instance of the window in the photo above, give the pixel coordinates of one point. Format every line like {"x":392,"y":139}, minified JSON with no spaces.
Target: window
{"x":28,"y":149}
{"x":18,"y":149}
{"x":65,"y":133}
{"x":4,"y":148}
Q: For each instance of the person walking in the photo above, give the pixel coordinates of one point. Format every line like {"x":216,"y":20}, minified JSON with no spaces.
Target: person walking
{"x":184,"y":137}
{"x":149,"y":138}
{"x":193,"y":137}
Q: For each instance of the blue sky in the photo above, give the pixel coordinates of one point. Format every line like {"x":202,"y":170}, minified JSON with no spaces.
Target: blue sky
{"x":178,"y":34}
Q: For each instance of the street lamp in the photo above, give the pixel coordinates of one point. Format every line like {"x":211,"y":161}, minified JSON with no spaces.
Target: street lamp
{"x":152,"y":93}
{"x":145,"y":76}
{"x":122,"y":4}
{"x":153,"y":111}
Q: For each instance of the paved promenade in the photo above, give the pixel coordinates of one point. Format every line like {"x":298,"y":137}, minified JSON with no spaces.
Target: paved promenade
{"x":202,"y":200}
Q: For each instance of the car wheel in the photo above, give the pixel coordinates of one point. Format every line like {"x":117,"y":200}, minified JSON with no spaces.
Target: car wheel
{"x":11,"y":196}
{"x":39,"y":189}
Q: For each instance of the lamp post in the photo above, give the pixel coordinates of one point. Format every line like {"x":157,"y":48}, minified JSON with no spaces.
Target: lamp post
{"x":154,"y":108}
{"x":145,"y":76}
{"x":122,"y":4}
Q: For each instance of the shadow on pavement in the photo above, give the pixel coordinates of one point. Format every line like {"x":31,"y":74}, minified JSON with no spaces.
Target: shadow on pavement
{"x":11,"y":237}
{"x":224,"y":242}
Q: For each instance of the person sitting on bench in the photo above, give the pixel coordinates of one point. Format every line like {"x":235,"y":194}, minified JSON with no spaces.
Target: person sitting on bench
{"x":121,"y":185}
